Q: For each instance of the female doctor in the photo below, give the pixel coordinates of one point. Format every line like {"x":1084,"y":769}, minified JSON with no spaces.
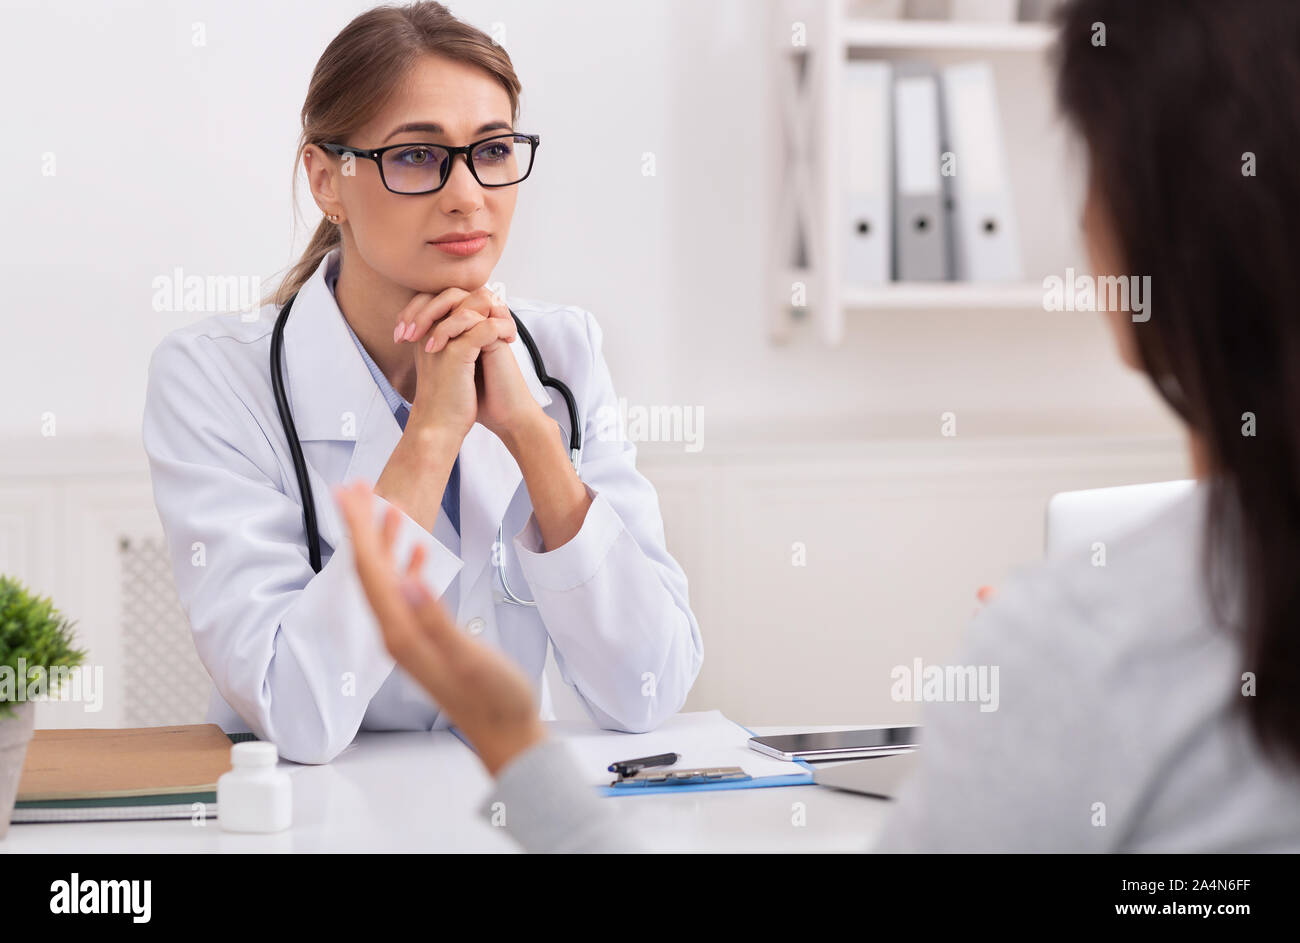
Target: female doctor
{"x":400,"y":368}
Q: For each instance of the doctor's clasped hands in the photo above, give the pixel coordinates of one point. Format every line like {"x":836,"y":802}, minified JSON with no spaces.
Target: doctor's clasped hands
{"x":465,"y":372}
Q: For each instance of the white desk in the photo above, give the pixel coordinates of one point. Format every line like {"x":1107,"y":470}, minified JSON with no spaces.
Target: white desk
{"x":420,"y":792}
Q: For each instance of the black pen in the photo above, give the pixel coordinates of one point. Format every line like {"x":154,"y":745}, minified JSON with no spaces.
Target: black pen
{"x":628,"y":767}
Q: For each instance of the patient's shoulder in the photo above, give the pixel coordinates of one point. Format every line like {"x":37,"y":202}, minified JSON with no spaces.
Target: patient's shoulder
{"x":1105,"y":644}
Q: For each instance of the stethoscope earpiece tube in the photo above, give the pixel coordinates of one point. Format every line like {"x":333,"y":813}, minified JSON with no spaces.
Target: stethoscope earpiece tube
{"x":575,"y":429}
{"x":295,"y":448}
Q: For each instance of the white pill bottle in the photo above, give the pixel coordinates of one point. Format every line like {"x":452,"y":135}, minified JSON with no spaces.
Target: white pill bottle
{"x":255,"y":796}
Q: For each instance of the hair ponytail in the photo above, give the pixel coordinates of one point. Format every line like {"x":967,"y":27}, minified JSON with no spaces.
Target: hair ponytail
{"x":325,"y":238}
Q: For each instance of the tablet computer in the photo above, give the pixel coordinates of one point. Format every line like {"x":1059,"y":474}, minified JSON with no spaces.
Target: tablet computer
{"x":838,"y":744}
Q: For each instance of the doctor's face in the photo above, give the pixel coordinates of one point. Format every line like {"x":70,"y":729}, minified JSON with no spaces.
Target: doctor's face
{"x":419,"y":241}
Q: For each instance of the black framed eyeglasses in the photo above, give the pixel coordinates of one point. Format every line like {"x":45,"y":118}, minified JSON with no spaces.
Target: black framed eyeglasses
{"x":501,"y":160}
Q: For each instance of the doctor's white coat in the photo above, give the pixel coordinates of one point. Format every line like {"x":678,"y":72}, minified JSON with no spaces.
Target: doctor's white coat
{"x":296,"y":656}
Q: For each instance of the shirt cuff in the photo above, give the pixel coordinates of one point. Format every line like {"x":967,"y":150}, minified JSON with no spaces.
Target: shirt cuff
{"x":576,"y":562}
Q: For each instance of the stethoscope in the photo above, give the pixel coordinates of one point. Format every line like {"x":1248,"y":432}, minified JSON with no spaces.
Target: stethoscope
{"x":300,"y":465}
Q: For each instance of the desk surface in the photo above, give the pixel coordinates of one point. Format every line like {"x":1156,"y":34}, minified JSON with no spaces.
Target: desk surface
{"x":421,"y":791}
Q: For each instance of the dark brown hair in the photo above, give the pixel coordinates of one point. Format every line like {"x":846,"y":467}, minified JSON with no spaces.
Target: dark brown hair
{"x":1191,"y":119}
{"x":364,"y":66}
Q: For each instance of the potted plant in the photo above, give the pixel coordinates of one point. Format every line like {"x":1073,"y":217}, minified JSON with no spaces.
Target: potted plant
{"x":34,"y":637}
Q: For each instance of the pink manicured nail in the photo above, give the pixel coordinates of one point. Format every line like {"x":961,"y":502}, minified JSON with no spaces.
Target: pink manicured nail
{"x":410,"y":331}
{"x":428,"y":347}
{"x":397,"y":332}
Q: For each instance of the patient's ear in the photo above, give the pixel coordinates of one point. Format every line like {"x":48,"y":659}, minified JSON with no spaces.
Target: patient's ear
{"x":1103,"y":254}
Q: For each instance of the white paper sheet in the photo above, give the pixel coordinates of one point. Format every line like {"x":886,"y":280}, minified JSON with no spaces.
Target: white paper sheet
{"x":703,"y":738}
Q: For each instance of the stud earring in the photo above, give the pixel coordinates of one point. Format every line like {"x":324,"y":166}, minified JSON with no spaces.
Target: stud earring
{"x":332,"y":217}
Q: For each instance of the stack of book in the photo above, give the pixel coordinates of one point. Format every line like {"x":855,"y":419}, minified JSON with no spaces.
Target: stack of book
{"x":111,"y":775}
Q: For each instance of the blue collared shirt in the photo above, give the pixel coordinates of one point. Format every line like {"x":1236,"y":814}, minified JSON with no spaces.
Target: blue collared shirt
{"x":401,"y":411}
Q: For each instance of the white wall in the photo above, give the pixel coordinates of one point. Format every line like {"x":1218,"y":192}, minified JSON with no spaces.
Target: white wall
{"x":174,"y":156}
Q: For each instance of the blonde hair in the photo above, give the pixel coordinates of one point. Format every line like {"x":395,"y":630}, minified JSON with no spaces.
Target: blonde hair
{"x":360,"y":70}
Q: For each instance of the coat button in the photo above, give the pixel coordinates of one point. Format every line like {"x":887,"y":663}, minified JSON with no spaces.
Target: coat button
{"x":475,"y":626}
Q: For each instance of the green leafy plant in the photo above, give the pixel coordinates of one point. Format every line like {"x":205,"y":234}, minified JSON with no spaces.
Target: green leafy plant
{"x":31,"y":629}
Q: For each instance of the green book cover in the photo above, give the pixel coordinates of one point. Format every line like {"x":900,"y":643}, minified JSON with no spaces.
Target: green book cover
{"x":180,"y":798}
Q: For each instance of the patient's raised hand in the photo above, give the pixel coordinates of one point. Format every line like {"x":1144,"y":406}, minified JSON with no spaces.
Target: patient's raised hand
{"x":484,"y":694}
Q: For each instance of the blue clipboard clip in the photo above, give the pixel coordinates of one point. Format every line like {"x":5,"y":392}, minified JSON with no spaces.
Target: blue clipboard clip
{"x":681,"y":777}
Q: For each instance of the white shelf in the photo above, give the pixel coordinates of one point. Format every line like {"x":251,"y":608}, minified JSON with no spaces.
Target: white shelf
{"x":824,"y":35}
{"x":950,"y":296}
{"x":947,"y":34}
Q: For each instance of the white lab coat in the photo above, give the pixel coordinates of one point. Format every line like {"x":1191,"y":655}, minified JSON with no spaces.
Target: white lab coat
{"x":296,"y":656}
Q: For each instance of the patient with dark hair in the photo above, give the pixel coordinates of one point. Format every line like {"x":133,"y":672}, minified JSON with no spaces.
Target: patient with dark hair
{"x":1150,"y":705}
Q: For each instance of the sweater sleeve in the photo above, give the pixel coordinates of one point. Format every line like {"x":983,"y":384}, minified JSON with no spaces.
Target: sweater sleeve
{"x":1022,"y":766}
{"x":543,"y":803}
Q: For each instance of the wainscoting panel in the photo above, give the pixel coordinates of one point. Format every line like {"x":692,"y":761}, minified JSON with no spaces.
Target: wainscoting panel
{"x":812,"y":577}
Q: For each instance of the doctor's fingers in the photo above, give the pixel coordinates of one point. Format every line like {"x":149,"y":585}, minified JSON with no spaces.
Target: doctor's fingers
{"x":471,"y":309}
{"x":501,"y":312}
{"x":485,"y":334}
{"x":453,"y":325}
{"x":423,"y":311}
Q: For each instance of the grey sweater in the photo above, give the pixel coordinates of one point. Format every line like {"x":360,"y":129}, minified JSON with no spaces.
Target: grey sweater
{"x":1119,"y":727}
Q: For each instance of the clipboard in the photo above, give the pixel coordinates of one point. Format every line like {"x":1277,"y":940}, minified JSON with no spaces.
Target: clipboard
{"x":803,"y":775}
{"x":594,"y":750}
